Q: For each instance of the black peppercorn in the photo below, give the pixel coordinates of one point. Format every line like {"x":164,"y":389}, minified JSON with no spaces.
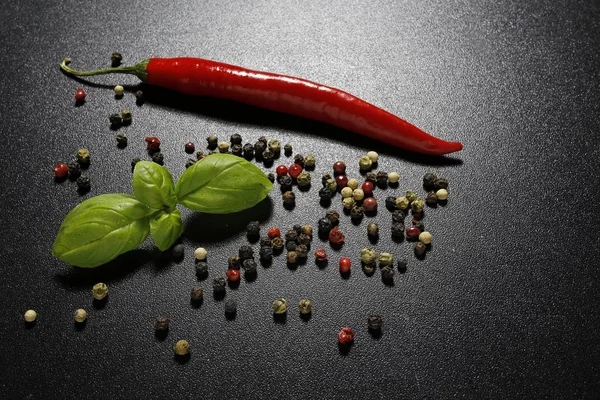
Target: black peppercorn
{"x":371,"y":177}
{"x":253,"y":229}
{"x":387,"y":273}
{"x":219,"y":284}
{"x":373,"y":229}
{"x":302,"y":251}
{"x":265,"y":242}
{"x":441,"y":183}
{"x":390,"y":203}
{"x":236,"y":139}
{"x":419,"y":224}
{"x":139,"y":96}
{"x":306,"y":230}
{"x":325,"y":225}
{"x":431,"y":199}
{"x":158,"y":158}
{"x":271,"y":177}
{"x":200,"y":155}
{"x":291,"y":246}
{"x":357,"y":212}
{"x":402,"y":265}
{"x":374,"y":322}
{"x":115,"y":59}
{"x":134,"y":162}
{"x":197,"y":293}
{"x":230,"y":306}
{"x":289,"y":198}
{"x":420,"y":248}
{"x":325,"y":178}
{"x":326,"y":194}
{"x":233,"y":262}
{"x":398,"y":216}
{"x":382,"y":178}
{"x":259,"y":148}
{"x":333,"y":216}
{"x":115,"y":120}
{"x":262,"y":139}
{"x":291,"y":235}
{"x":246,"y":252}
{"x":248,"y":150}
{"x":268,"y":156}
{"x":277,"y":243}
{"x":83,"y":184}
{"x":429,"y":181}
{"x":287,"y":149}
{"x":299,"y":159}
{"x":236,"y":150}
{"x":177,"y":251}
{"x":266,"y":253}
{"x":201,"y":268}
{"x":213,"y":142}
{"x":397,"y":229}
{"x":161,"y":324}
{"x":304,"y":239}
{"x":286,"y":183}
{"x":297,"y":228}
{"x":121,"y":140}
{"x":249,"y":265}
{"x":189,"y":163}
{"x":74,"y":170}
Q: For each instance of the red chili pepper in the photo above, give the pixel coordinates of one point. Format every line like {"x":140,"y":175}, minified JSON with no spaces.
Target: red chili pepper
{"x":196,"y":76}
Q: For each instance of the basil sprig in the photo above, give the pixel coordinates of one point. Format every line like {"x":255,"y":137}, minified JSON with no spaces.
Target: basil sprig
{"x":103,"y":227}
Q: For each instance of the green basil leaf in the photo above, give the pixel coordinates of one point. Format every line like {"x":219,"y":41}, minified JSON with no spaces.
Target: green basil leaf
{"x":153,"y":185}
{"x":100,"y":229}
{"x":222,"y":184}
{"x":166,"y":229}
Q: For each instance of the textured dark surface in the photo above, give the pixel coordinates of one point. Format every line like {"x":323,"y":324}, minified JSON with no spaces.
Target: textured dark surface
{"x":504,"y":306}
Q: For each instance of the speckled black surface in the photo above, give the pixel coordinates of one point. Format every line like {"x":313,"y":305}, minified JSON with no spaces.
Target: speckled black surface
{"x":504,"y":306}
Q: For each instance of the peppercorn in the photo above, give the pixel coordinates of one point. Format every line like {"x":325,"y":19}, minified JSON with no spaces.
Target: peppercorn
{"x":420,"y":249}
{"x":134,"y":162}
{"x":158,"y":158}
{"x":353,"y":183}
{"x":292,"y":257}
{"x":253,"y":229}
{"x":218,"y":285}
{"x":431,"y":199}
{"x":266,"y":253}
{"x":265,"y":242}
{"x":370,"y":177}
{"x":370,"y":205}
{"x":304,"y":239}
{"x":339,"y":168}
{"x":390,"y":203}
{"x":425,"y":237}
{"x":301,"y":251}
{"x":223,"y":147}
{"x":100,"y":291}
{"x":182,"y":348}
{"x":336,"y":236}
{"x":233,"y":275}
{"x":268,"y":156}
{"x":382,"y":178}
{"x":346,"y":192}
{"x":233,"y":262}
{"x":248,"y":150}
{"x":325,"y":178}
{"x":373,"y":229}
{"x":325,"y":225}
{"x":83,"y":184}
{"x":262,"y":139}
{"x":309,"y":161}
{"x":368,"y":256}
{"x":161,"y":324}
{"x":411,"y":196}
{"x":197,"y":293}
{"x":325,"y":194}
{"x":287,"y":149}
{"x":121,"y":140}
{"x":281,"y":170}
{"x":294,"y":170}
{"x":320,"y":255}
{"x":305,"y":306}
{"x":348,"y":203}
{"x":277,"y":243}
{"x":367,"y":188}
{"x":79,"y":95}
{"x":236,"y":150}
{"x":119,"y":90}
{"x":177,"y":252}
{"x":386,"y":259}
{"x":289,"y":198}
{"x":259,"y":148}
{"x":139,"y":96}
{"x":230,"y":306}
{"x":152,"y":143}
{"x":291,"y":235}
{"x":368,"y":269}
{"x":341,"y":181}
{"x":358,"y":194}
{"x":374,"y":322}
{"x":126,"y":116}
{"x":236,"y":138}
{"x":200,"y":254}
{"x":333,"y":216}
{"x":346,"y":336}
{"x":74,"y":170}
{"x":273,"y":233}
{"x":441,"y":183}
{"x":331,"y":185}
{"x":291,"y":246}
{"x":61,"y":171}
{"x":303,"y":180}
{"x":80,"y":315}
{"x":357,"y":212}
{"x":275,"y":146}
{"x":345,"y":265}
{"x":83,"y":156}
{"x":201,"y":268}
{"x":116,"y":58}
{"x":299,"y":159}
{"x":397,"y":229}
{"x":365,"y":163}
{"x":115,"y":120}
{"x":285,"y":182}
{"x":412,"y":232}
{"x":393,"y":177}
{"x":30,"y":316}
{"x":387,"y":273}
{"x":246,"y":252}
{"x":213,"y":142}
{"x":429,"y":180}
{"x":200,"y":155}
{"x":420,"y":225}
{"x":442,"y":194}
{"x":306,"y":230}
{"x":279,"y":306}
{"x":402,"y":265}
{"x":402,"y":203}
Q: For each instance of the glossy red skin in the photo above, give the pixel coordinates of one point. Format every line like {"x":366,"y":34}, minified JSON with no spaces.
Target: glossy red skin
{"x":295,"y":170}
{"x":412,"y":232}
{"x":273,"y":233}
{"x":153,"y":143}
{"x":80,"y":95}
{"x":190,"y":147}
{"x":370,"y":204}
{"x":367,"y":187}
{"x":233,"y":275}
{"x":281,"y":170}
{"x":346,"y":336}
{"x":291,"y":95}
{"x":339,"y":168}
{"x":61,"y":170}
{"x":336,"y":236}
{"x":341,"y":181}
{"x":345,"y":264}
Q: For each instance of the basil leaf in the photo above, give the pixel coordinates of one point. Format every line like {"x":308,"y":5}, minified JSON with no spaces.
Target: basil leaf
{"x":222,"y":184}
{"x":100,"y":229}
{"x":153,"y":185}
{"x":166,"y":229}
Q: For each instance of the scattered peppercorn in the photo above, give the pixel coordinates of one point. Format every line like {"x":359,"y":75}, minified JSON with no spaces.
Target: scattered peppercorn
{"x":431,"y":199}
{"x":190,"y":162}
{"x":429,"y":181}
{"x":425,"y":237}
{"x":158,"y":158}
{"x":79,"y":95}
{"x":397,"y":229}
{"x":402,"y":203}
{"x":419,"y":224}
{"x":277,"y":243}
{"x":306,"y":230}
{"x":382,"y":178}
{"x":115,"y":120}
{"x":234,"y":262}
{"x":411,"y":196}
{"x":152,"y":143}
{"x":302,"y":251}
{"x":80,"y":315}
{"x":218,"y":285}
{"x":390,"y":203}
{"x":177,"y":251}
{"x":281,"y":170}
{"x":371,"y":177}
{"x":121,"y":140}
{"x":325,"y":178}
{"x":253,"y":229}
{"x":345,"y":265}
{"x":289,"y":198}
{"x":291,"y":246}
{"x":248,"y":150}
{"x":139,"y":96}
{"x":279,"y":306}
{"x":230,"y":306}
{"x":357,"y":212}
{"x":402,"y":265}
{"x":182,"y":348}
{"x":268,"y":156}
{"x":273,"y":233}
{"x":237,"y":150}
{"x":336,"y":236}
{"x":387,"y":273}
{"x":292,"y":257}
{"x":233,"y":275}
{"x":288,"y":149}
{"x":373,"y":156}
{"x":304,"y":239}
{"x":333,"y":216}
{"x":265,"y":242}
{"x":320,"y":255}
{"x":386,"y":259}
{"x":197,"y":293}
{"x":346,"y":336}
{"x":299,"y":159}
{"x":30,"y":316}
{"x":259,"y":148}
{"x":285,"y":182}
{"x":368,"y":269}
{"x":324,"y":225}
{"x":441,"y":183}
{"x":246,"y":252}
{"x":134,"y":162}
{"x":309,"y":161}
{"x":341,"y":181}
{"x":297,"y":228}
{"x":373,"y":229}
{"x":83,"y":184}
{"x":291,"y":235}
{"x":201,"y":268}
{"x":74,"y":170}
{"x":417,"y":205}
{"x":367,"y":188}
{"x":368,"y":256}
{"x":119,"y":90}
{"x":100,"y":291}
{"x":420,"y":249}
{"x":116,"y":58}
{"x":442,"y":194}
{"x":266,"y":253}
{"x":223,"y":147}
{"x":393,"y":177}
{"x":294,"y":170}
{"x":83,"y":156}
{"x":346,"y":192}
{"x":339,"y":168}
{"x":126,"y":116}
{"x":374,"y":322}
{"x":331,"y":185}
{"x":412,"y":232}
{"x":236,"y":138}
{"x":348,"y":203}
{"x":213,"y":142}
{"x":353,"y":183}
{"x":161,"y":324}
{"x":365,"y":163}
{"x":305,"y":306}
{"x":358,"y":194}
{"x":303,"y":180}
{"x":275,"y":146}
{"x":325,"y":194}
{"x":370,"y":205}
{"x":61,"y":170}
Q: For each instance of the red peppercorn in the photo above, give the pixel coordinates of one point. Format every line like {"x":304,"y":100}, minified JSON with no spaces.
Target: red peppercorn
{"x":345,"y":264}
{"x":61,"y":170}
{"x":80,"y":95}
{"x":273,"y":233}
{"x":295,"y":170}
{"x":412,"y":232}
{"x":320,"y":255}
{"x":189,"y":147}
{"x":153,"y":143}
{"x":341,"y":181}
{"x":339,"y":168}
{"x":233,"y":275}
{"x":336,"y":236}
{"x":346,"y":336}
{"x":367,"y":187}
{"x":370,"y":205}
{"x":281,"y":170}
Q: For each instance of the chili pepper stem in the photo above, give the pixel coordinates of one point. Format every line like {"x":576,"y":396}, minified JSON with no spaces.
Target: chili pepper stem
{"x":138,"y":70}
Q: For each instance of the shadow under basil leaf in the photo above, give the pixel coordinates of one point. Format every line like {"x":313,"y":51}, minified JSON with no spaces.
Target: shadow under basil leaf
{"x":212,"y":228}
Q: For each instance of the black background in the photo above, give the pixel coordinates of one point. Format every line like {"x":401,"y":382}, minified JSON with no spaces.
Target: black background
{"x":505,"y":304}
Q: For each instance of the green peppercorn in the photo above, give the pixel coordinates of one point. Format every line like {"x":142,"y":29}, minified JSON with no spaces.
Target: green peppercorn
{"x":277,"y":243}
{"x":365,"y":163}
{"x":271,"y":177}
{"x":161,"y":324}
{"x":371,"y":177}
{"x":301,"y":251}
{"x":289,"y":198}
{"x":309,"y":161}
{"x":374,"y":322}
{"x":387,"y":273}
{"x":259,"y":148}
{"x":233,"y":262}
{"x":305,"y":306}
{"x":248,"y":150}
{"x":275,"y":146}
{"x":368,"y":256}
{"x":348,"y":203}
{"x":441,"y":183}
{"x":219,"y":285}
{"x":417,"y":205}
{"x":268,"y":156}
{"x":182,"y":348}
{"x":368,"y":269}
{"x":99,"y":291}
{"x":333,"y":216}
{"x":325,"y":178}
{"x":429,"y":181}
{"x":230,"y":306}
{"x":373,"y":229}
{"x":158,"y":158}
{"x":306,"y":230}
{"x":126,"y":116}
{"x":223,"y":147}
{"x":287,"y":149}
{"x":382,"y":178}
{"x":197,"y":294}
{"x":431,"y":199}
{"x":213,"y":142}
{"x":420,"y":249}
{"x":115,"y":120}
{"x":402,"y":203}
{"x":121,"y":140}
{"x":189,"y":163}
{"x":299,"y":159}
{"x":386,"y":259}
{"x":235,"y":139}
{"x":304,"y":239}
{"x":134,"y":162}
{"x":357,"y":212}
{"x":411,"y":196}
{"x":303,"y":180}
{"x":83,"y":156}
{"x":74,"y":170}
{"x":115,"y":59}
{"x":331,"y":185}
{"x":292,"y":257}
{"x":236,"y":150}
{"x":279,"y":306}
